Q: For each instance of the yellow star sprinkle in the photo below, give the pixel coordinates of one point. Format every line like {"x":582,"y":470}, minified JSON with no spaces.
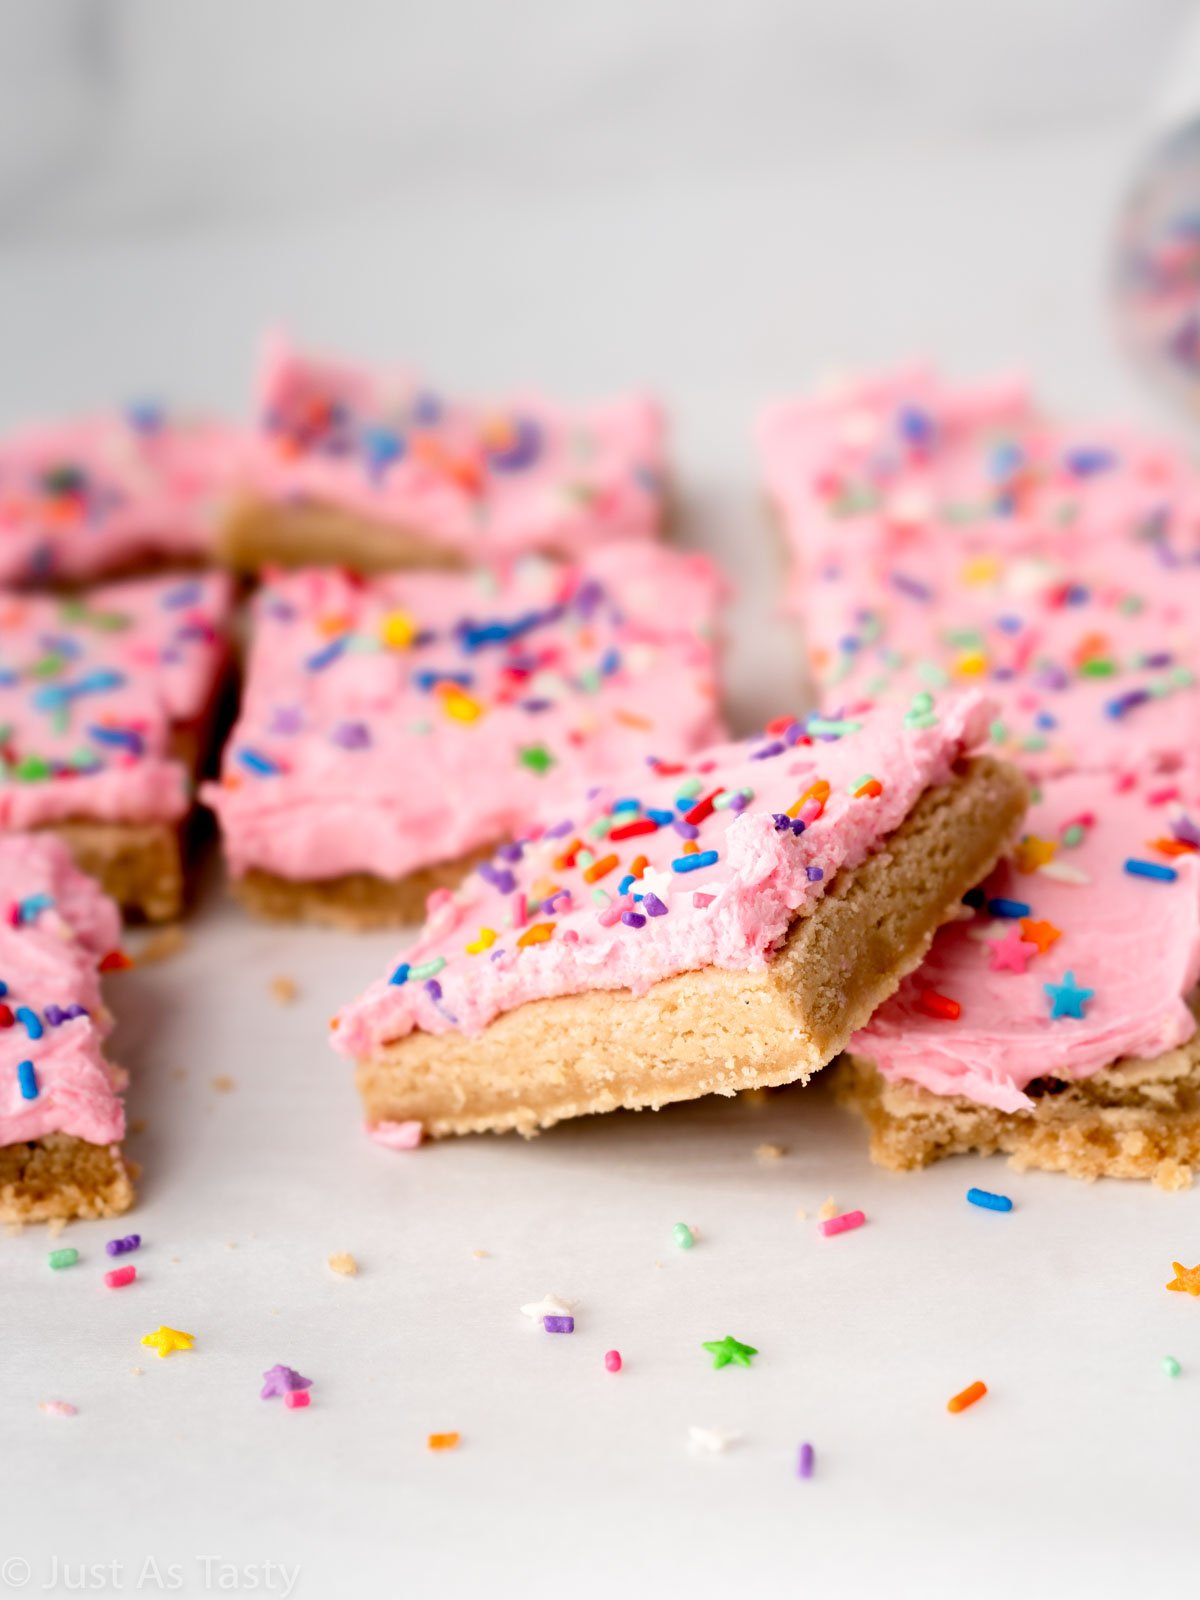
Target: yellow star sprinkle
{"x":1033,"y":852}
{"x":168,"y":1340}
{"x":1186,"y":1279}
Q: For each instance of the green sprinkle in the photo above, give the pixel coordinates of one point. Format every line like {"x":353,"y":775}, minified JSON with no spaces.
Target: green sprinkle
{"x":1035,"y":742}
{"x":1169,"y":1364}
{"x":688,"y":789}
{"x":867,"y":777}
{"x":584,"y":858}
{"x":66,"y":1257}
{"x":601,"y":897}
{"x":997,"y":733}
{"x":420,"y":728}
{"x":427,"y":969}
{"x":683,"y":1236}
{"x":537,"y":758}
{"x":1074,"y":835}
{"x":826,"y":726}
{"x":728,"y":1349}
{"x":931,"y":672}
{"x":1131,"y":604}
{"x":1098,"y":667}
{"x":602,"y":826}
{"x":589,"y":680}
{"x":726,"y":798}
{"x":32,"y":769}
{"x":48,"y":667}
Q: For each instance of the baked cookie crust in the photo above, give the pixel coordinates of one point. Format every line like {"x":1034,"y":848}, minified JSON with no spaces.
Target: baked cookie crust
{"x":60,"y":1177}
{"x":355,"y":901}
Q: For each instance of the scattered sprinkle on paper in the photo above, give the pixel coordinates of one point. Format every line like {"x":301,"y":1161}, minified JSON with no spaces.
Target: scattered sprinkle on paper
{"x":766,"y":1153}
{"x":283,"y":990}
{"x":58,"y":1408}
{"x":223,"y":1083}
{"x":548,"y":1306}
{"x":710,"y":1441}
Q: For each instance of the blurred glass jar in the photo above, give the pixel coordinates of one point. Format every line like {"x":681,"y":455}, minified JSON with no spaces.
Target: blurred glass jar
{"x":1157,"y":276}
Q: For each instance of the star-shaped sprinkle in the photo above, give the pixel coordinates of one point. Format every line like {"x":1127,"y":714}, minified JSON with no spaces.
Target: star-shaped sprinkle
{"x":1186,"y":1279}
{"x":282,"y":1380}
{"x":728,"y":1349}
{"x":654,"y":881}
{"x":548,"y":1306}
{"x":1042,"y":934}
{"x":1033,"y":853}
{"x":167,"y":1340}
{"x":1010,"y":954}
{"x":1067,"y":999}
{"x":711,"y":1441}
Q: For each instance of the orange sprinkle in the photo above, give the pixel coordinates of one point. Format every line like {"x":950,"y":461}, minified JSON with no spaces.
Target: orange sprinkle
{"x":638,"y":865}
{"x":690,"y":847}
{"x":967,"y":1397}
{"x":567,"y":859}
{"x":1171,"y":847}
{"x":871,"y":789}
{"x":329,"y":627}
{"x":537,"y":934}
{"x":600,"y":869}
{"x":1042,"y":934}
{"x":632,"y":720}
{"x":818,"y":791}
{"x":443,"y":1441}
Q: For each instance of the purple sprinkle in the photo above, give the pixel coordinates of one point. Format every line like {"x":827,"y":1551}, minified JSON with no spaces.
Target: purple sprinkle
{"x":653,"y":906}
{"x":739,"y":802}
{"x":913,"y":587}
{"x":781,"y":820}
{"x":54,"y":1015}
{"x":766,"y":751}
{"x":433,"y":989}
{"x":559,"y":830}
{"x":686,"y":830}
{"x":805,"y":1461}
{"x":815,"y":874}
{"x":122,"y":1247}
{"x":511,"y":852}
{"x":559,"y":1324}
{"x":633,"y":919}
{"x":285,"y":720}
{"x":351,"y":735}
{"x":1186,"y":831}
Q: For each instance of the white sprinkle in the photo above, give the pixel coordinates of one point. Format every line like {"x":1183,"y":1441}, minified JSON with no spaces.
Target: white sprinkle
{"x":548,"y":1306}
{"x":1061,"y":872}
{"x":711,"y":1441}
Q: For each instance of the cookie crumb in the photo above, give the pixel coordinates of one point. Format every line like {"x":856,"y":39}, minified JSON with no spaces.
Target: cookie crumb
{"x":767,"y":1153}
{"x":138,"y":1125}
{"x":481,"y":1255}
{"x":828,"y":1209}
{"x":801,"y":1214}
{"x":162,"y":945}
{"x":55,"y":1226}
{"x":344,"y":1264}
{"x":137,"y":1372}
{"x":223,"y":1083}
{"x":284,"y":990}
{"x":1172,"y":1176}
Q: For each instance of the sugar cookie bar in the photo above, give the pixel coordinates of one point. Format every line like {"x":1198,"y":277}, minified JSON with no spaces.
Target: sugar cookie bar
{"x":966,"y":470}
{"x":1053,"y":1023}
{"x":61,"y":1118}
{"x":701,"y":927}
{"x":394,"y":731}
{"x":1090,"y":655}
{"x":375,"y":471}
{"x":106,"y":707}
{"x":110,"y":495}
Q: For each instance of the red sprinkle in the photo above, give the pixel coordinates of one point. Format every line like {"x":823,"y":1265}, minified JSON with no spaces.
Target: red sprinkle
{"x":938,"y":1005}
{"x":115,"y":961}
{"x":612,"y":1360}
{"x":119,"y":1277}
{"x":703,"y":808}
{"x":295,"y":1399}
{"x":634,"y":830}
{"x":843,"y":1224}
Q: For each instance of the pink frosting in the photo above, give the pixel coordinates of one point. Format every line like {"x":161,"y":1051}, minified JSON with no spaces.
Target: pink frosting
{"x":82,"y":498}
{"x":1134,"y":942}
{"x":393,"y":724}
{"x":966,"y":467}
{"x":92,"y":689}
{"x":55,"y":926}
{"x":1091,"y":658}
{"x":556,"y":914}
{"x":500,"y":479}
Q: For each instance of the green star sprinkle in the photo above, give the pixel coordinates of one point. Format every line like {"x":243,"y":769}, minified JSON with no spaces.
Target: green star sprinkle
{"x":728,"y":1349}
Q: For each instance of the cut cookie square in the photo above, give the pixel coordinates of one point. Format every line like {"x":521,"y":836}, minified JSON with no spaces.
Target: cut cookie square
{"x":702,"y":927}
{"x":61,"y":1118}
{"x":394,"y":731}
{"x":103,"y":496}
{"x":966,"y":470}
{"x":376,"y":471}
{"x":1090,"y":656}
{"x":1053,"y":1021}
{"x":107,"y":702}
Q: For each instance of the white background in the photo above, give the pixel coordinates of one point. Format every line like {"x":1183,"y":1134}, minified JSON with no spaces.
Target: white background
{"x":723,"y":201}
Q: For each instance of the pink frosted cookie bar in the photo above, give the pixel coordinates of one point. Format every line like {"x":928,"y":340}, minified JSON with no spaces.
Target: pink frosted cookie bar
{"x":965,"y":469}
{"x":695,"y":927}
{"x":375,"y":471}
{"x":1090,"y":662}
{"x":1054,"y":1020}
{"x":393,"y":728}
{"x":106,"y":707}
{"x":104,"y":495}
{"x":61,"y":1118}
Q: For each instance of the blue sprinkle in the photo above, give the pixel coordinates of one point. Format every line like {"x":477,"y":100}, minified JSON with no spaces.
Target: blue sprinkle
{"x":31,"y":1021}
{"x":998,"y":906}
{"x":1150,"y":869}
{"x":702,"y":858}
{"x":27,"y":1078}
{"x":661,"y":817}
{"x":253,"y":762}
{"x":326,"y":657}
{"x":626,"y":881}
{"x":989,"y":1201}
{"x":400,"y":975}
